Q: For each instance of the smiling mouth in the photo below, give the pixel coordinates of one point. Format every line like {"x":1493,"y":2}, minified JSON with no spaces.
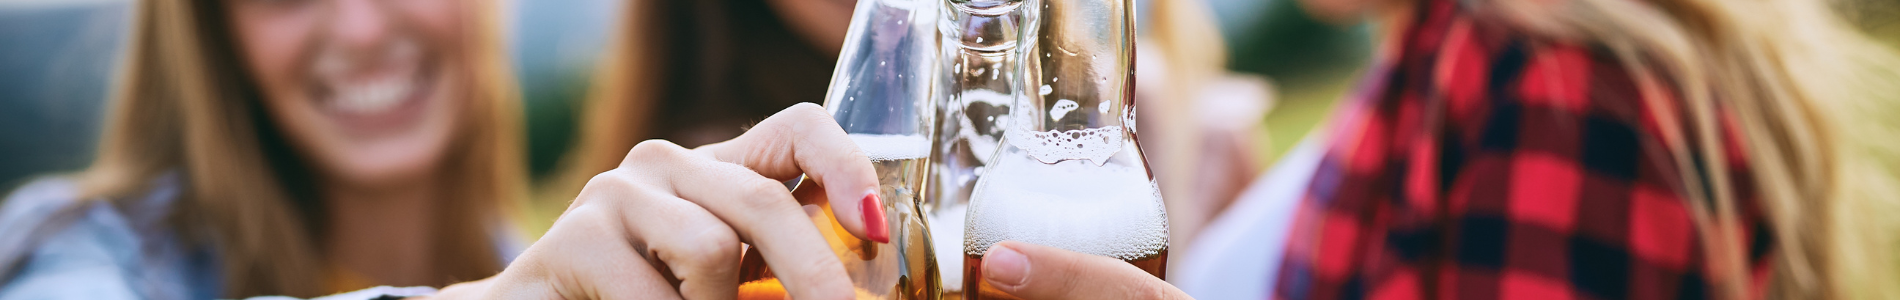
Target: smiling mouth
{"x":373,"y":96}
{"x":387,"y":93}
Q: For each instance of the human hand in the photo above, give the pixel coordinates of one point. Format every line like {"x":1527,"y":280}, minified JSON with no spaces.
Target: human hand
{"x":1037,"y":272}
{"x":669,"y":221}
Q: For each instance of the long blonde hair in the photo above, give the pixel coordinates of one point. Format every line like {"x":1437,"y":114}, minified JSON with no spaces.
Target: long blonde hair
{"x":184,"y":106}
{"x":1814,"y":103}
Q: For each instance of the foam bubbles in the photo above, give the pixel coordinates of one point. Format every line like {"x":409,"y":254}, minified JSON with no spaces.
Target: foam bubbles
{"x":1097,"y":144}
{"x":1062,"y":108}
{"x":887,"y":147}
{"x":1112,"y":210}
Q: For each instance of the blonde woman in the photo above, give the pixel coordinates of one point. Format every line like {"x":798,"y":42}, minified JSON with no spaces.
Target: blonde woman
{"x":283,"y":147}
{"x":308,"y":147}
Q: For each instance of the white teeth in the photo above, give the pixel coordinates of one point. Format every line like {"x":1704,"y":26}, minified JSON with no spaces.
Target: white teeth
{"x":395,"y":65}
{"x":372,"y":97}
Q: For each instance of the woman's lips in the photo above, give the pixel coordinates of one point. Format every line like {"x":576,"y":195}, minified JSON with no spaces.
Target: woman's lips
{"x":378,"y":93}
{"x":381,"y":103}
{"x":372,"y":96}
{"x":372,"y":82}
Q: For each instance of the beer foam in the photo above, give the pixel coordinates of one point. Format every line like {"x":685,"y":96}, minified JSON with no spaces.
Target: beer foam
{"x":1096,"y":144}
{"x":1111,"y":210}
{"x":885,"y":147}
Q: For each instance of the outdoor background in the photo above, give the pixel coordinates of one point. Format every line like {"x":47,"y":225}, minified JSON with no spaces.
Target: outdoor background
{"x":57,"y":56}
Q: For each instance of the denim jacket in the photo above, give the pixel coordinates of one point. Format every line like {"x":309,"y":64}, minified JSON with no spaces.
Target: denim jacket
{"x":54,"y":245}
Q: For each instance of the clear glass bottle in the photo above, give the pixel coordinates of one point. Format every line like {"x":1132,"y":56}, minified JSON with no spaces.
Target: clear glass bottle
{"x":881,"y":93}
{"x":1069,"y":173}
{"x":976,"y":91}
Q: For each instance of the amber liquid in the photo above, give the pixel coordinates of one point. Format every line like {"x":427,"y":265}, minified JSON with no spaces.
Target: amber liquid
{"x":905,"y":268}
{"x":975,"y":288}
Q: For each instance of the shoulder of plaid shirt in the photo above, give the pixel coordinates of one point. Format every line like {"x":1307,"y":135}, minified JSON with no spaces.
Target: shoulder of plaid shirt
{"x":1478,"y":163}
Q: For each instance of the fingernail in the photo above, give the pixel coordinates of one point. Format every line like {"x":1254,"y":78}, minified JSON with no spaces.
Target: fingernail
{"x":874,"y":227}
{"x":1004,"y":267}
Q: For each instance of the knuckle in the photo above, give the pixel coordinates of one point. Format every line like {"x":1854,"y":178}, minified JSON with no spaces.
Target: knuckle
{"x":654,"y":148}
{"x":808,"y":109}
{"x":610,"y":180}
{"x":799,"y":118}
{"x":586,"y":220}
{"x":820,"y":267}
{"x":612,"y":184}
{"x":715,"y":247}
{"x":853,"y":153}
{"x":763,"y":195}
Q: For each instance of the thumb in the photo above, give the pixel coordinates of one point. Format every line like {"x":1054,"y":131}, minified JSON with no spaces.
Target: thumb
{"x":1036,"y":272}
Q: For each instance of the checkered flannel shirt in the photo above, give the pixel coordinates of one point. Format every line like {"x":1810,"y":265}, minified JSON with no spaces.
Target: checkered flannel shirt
{"x":1483,"y":163}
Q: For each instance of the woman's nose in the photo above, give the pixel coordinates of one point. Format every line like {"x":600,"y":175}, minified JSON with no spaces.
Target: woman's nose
{"x":359,"y":25}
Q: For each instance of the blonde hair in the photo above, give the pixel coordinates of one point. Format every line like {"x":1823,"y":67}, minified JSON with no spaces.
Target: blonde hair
{"x":183,"y":105}
{"x":1813,"y":102}
{"x":1182,"y":34}
{"x":623,"y":97}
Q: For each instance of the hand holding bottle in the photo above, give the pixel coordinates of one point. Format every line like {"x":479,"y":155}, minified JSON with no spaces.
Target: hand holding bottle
{"x":669,"y":221}
{"x":1037,"y":272}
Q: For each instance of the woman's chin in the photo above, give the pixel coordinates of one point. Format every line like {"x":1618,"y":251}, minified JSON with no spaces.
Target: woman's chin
{"x":383,"y":166}
{"x":395,"y":153}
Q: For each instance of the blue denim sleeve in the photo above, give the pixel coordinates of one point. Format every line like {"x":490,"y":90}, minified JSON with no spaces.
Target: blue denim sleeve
{"x":85,"y":258}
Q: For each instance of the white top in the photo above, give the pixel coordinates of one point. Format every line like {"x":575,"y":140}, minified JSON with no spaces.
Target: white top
{"x":1238,"y":254}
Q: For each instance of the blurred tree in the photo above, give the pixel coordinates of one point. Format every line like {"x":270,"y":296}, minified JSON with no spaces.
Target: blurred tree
{"x":1312,"y":63}
{"x":555,"y":45}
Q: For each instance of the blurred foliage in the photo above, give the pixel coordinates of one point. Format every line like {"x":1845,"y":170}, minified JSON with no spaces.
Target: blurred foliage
{"x":1313,"y":64}
{"x":550,"y":119}
{"x":1296,"y":50}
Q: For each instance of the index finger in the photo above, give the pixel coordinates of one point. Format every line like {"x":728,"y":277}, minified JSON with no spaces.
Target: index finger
{"x":758,"y":210}
{"x":803,"y":139}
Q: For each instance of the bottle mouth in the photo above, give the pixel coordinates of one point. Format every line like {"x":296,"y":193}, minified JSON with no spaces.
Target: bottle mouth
{"x":991,"y":26}
{"x":986,"y":7}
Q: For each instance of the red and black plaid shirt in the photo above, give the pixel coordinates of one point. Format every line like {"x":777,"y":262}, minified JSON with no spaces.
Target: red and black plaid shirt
{"x":1483,"y":163}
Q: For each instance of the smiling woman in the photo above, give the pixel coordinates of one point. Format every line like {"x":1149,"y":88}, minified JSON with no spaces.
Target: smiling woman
{"x":294,"y":147}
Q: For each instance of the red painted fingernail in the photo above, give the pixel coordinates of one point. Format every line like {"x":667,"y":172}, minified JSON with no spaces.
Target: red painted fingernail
{"x":874,"y":227}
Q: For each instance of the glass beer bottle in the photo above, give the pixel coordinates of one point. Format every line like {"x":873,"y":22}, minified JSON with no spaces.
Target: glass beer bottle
{"x":975,"y":92}
{"x":1069,"y":173}
{"x":880,"y":94}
